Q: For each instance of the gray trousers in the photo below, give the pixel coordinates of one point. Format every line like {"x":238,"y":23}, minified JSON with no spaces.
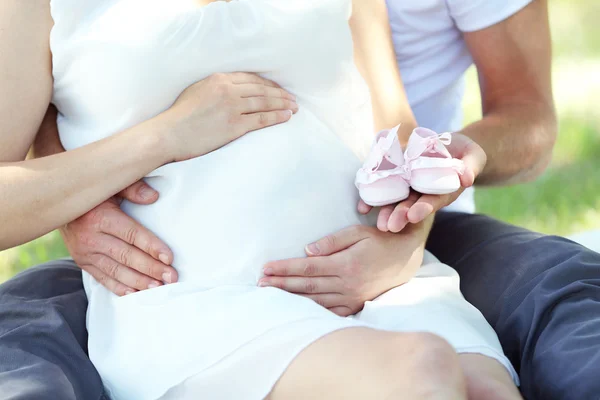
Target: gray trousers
{"x":540,"y":293}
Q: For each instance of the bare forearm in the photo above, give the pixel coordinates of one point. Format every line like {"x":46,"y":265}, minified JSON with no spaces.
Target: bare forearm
{"x":518,"y":130}
{"x":375,"y":59}
{"x":422,"y":229}
{"x":518,"y":140}
{"x":42,"y":194}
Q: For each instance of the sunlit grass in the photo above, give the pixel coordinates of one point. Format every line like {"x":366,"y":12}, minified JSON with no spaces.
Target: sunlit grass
{"x":49,"y":247}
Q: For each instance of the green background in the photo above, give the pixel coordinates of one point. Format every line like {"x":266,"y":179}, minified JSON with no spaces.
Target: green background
{"x":563,"y":201}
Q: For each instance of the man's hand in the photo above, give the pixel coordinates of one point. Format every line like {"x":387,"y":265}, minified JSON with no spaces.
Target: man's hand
{"x":417,"y":207}
{"x":117,"y":251}
{"x":352,"y":266}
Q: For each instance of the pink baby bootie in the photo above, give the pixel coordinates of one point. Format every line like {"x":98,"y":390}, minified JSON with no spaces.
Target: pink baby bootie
{"x":431,"y":168}
{"x":382,"y":179}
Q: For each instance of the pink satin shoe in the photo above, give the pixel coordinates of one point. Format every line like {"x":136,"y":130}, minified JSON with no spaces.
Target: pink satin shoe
{"x":382,"y":179}
{"x":431,"y":168}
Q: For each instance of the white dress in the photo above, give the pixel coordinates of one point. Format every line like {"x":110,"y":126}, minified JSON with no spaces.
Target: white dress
{"x":215,"y":334}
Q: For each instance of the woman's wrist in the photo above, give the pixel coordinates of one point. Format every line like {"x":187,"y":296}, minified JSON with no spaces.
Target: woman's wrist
{"x":419,"y":232}
{"x":152,"y":141}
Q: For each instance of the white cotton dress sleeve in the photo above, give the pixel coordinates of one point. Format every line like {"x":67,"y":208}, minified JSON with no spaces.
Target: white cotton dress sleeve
{"x":215,"y":334}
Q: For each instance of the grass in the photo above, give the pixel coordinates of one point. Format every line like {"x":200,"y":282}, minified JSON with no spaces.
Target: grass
{"x":564,"y":200}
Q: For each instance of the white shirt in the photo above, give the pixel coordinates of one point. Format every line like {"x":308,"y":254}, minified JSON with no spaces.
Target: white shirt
{"x":433,"y":57}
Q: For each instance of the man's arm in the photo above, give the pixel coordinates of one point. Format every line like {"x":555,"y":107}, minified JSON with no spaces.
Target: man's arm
{"x":518,"y":128}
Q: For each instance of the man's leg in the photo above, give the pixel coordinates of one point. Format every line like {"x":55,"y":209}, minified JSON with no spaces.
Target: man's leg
{"x":540,"y":293}
{"x":43,"y":340}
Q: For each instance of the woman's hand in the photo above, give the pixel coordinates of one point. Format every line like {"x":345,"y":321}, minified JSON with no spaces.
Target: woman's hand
{"x":220,"y":109}
{"x":116,"y":250}
{"x":352,"y":266}
{"x":417,"y":206}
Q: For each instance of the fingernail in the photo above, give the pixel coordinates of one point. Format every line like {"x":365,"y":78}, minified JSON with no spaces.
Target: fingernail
{"x":263,"y":283}
{"x":164,"y":258}
{"x":146,"y":193}
{"x":167,"y":277}
{"x":268,"y":271}
{"x":128,"y":292}
{"x":313,"y":249}
{"x":291,"y":113}
{"x":419,"y":214}
{"x":153,"y":285}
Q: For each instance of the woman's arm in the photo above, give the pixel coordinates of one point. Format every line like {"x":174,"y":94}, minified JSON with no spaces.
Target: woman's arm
{"x":37,"y":196}
{"x":375,"y":58}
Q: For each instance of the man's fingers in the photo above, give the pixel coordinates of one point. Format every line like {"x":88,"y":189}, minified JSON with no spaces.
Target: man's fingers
{"x":474,"y":158}
{"x":116,"y":287}
{"x":123,"y":274}
{"x":428,"y":204}
{"x":303,"y":285}
{"x":134,"y":258}
{"x":139,"y":193}
{"x":336,"y":242}
{"x":383,"y":218}
{"x":327,"y":300}
{"x":364,"y":208}
{"x":310,"y":266}
{"x":118,"y":224}
{"x":472,"y":155}
{"x":398,"y":219}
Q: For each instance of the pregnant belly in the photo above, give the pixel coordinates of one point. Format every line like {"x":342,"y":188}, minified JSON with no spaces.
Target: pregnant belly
{"x":261,"y":198}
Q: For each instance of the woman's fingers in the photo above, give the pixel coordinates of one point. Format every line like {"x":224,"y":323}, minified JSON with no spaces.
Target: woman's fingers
{"x":303,"y":285}
{"x":246,"y":77}
{"x":259,"y":90}
{"x":342,"y":311}
{"x":252,"y":122}
{"x":306,"y":267}
{"x":262,"y":104}
{"x":337,"y":241}
{"x":327,"y":300}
